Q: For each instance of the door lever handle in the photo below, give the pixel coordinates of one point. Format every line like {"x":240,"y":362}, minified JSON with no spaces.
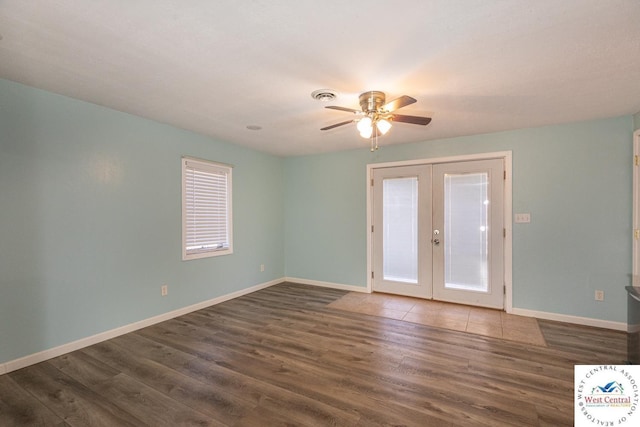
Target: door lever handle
{"x":436,"y":241}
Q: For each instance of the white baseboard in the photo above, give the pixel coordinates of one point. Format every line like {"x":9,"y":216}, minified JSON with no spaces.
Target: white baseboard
{"x":351,"y":288}
{"x":32,"y":359}
{"x":585,"y":321}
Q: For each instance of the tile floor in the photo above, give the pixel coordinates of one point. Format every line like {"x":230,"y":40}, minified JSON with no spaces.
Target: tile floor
{"x":475,"y":320}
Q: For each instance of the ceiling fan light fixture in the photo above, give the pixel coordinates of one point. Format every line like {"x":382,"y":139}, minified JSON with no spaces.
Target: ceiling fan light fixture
{"x":383,"y":126}
{"x":365,"y":127}
{"x":376,"y":114}
{"x":366,"y":134}
{"x":364,"y":124}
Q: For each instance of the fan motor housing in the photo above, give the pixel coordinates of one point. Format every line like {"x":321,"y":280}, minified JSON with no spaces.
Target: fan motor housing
{"x":372,"y":101}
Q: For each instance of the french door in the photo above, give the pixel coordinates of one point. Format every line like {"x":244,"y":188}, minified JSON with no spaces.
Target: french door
{"x":438,"y":231}
{"x":402,"y":213}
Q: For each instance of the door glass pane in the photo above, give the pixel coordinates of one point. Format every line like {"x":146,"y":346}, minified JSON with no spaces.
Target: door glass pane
{"x":466,"y":231}
{"x":400,"y":229}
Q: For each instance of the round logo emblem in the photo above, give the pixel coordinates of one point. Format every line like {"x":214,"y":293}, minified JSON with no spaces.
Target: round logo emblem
{"x":607,"y":395}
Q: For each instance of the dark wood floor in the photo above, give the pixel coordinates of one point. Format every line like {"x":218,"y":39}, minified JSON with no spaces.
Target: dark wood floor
{"x":281,"y":357}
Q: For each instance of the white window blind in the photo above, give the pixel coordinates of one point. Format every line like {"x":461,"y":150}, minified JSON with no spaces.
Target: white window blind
{"x":206,"y":205}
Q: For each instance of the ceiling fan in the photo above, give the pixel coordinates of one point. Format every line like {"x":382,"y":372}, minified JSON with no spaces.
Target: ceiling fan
{"x":376,"y":115}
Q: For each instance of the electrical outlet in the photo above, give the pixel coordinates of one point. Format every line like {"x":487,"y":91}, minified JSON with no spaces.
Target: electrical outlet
{"x":523,"y":218}
{"x":164,"y":290}
{"x":599,"y":295}
{"x":261,"y":267}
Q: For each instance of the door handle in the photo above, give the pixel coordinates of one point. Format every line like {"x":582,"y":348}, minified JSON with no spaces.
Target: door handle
{"x":436,"y":241}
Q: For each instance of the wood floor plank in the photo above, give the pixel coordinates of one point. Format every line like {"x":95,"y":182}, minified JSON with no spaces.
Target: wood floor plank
{"x":70,"y":400}
{"x":281,"y":357}
{"x":229,"y":382}
{"x":285,"y":373}
{"x":257,"y":417}
{"x":270,"y":396}
{"x":19,"y":408}
{"x":204,"y":398}
{"x":265,"y":396}
{"x":148,"y":404}
{"x":504,"y":388}
{"x":586,"y":343}
{"x":269,"y":368}
{"x":83,"y":368}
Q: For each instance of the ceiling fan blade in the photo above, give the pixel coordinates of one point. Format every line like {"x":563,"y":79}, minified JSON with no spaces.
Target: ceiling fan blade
{"x":350,"y":110}
{"x":403,"y":101}
{"x":338,"y":124}
{"x":414,"y":120}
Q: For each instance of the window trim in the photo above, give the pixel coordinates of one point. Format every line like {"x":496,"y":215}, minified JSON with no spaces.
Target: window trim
{"x":204,"y":165}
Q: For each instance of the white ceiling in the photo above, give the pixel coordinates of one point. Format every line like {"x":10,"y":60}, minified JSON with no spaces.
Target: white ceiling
{"x":214,"y":67}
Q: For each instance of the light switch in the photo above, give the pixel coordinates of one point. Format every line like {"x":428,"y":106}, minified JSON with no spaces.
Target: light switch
{"x":523,"y":218}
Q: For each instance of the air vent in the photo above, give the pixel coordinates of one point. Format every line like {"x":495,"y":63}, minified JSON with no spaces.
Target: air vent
{"x":323,"y":95}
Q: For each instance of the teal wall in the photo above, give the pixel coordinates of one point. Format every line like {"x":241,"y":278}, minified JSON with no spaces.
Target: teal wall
{"x":574,"y":179}
{"x":90,"y":217}
{"x":90,"y":220}
{"x":636,"y":121}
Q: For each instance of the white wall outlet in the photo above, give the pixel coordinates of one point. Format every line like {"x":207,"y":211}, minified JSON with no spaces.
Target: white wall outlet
{"x":523,"y":218}
{"x":599,"y":295}
{"x":261,"y":267}
{"x":164,"y":290}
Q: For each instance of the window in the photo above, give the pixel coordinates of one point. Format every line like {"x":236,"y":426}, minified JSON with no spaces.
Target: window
{"x":206,"y":209}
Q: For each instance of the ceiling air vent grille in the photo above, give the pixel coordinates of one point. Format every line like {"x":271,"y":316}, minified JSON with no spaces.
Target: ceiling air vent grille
{"x":323,"y":95}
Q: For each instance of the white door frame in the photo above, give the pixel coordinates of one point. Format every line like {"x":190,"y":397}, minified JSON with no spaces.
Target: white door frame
{"x":508,"y":215}
{"x":635,"y":275}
